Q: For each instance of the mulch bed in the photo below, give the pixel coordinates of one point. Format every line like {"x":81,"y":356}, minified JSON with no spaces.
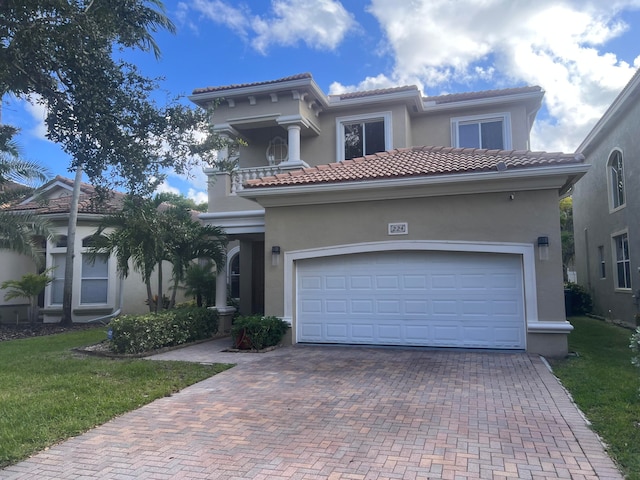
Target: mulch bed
{"x":14,"y":332}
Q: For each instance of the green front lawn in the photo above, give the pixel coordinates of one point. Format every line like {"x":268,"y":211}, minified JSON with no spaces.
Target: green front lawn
{"x":606,"y":386}
{"x":48,"y":393}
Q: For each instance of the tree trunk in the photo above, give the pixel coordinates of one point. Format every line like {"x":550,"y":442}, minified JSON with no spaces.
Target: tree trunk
{"x":149,"y":296}
{"x":67,"y":292}
{"x":159,"y":302}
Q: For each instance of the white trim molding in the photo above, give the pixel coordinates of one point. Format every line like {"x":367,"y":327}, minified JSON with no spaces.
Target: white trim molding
{"x":504,"y":117}
{"x":245,"y":221}
{"x":340,"y":133}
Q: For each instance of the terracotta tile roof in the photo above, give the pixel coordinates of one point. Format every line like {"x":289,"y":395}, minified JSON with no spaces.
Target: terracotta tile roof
{"x":254,"y":84}
{"x":88,"y":201}
{"x":460,"y":97}
{"x":381,"y":91}
{"x":417,"y":162}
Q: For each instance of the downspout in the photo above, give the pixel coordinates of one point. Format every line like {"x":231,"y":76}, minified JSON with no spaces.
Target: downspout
{"x":118,"y":311}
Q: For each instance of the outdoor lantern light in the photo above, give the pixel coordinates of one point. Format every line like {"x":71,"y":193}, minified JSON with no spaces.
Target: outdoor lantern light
{"x":275,"y":255}
{"x":543,"y":248}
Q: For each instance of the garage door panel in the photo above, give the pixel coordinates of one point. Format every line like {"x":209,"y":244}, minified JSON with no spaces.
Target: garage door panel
{"x":335,"y":283}
{"x":412,"y":298}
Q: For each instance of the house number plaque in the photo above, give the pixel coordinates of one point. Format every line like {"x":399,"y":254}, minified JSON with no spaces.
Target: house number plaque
{"x":398,"y":228}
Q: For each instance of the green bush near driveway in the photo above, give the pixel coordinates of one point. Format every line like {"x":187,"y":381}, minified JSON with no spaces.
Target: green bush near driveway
{"x":257,"y":332}
{"x":132,"y":334}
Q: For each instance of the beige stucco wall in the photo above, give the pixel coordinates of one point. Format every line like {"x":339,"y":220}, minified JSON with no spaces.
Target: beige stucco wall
{"x":595,"y":222}
{"x":12,"y":267}
{"x":478,"y":218}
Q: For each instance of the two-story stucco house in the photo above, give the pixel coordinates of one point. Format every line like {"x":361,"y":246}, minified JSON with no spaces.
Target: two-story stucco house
{"x":388,"y":218}
{"x":606,"y":210}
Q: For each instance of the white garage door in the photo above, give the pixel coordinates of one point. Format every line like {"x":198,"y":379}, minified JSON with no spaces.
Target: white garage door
{"x":412,"y":298}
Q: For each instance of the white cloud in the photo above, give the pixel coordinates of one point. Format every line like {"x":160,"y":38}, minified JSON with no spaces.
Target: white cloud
{"x":555,"y":44}
{"x":164,"y":187}
{"x":320,"y":24}
{"x":38,"y":112}
{"x":197,"y":196}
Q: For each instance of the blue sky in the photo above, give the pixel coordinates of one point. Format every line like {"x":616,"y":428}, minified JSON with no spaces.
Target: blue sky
{"x":581,"y":53}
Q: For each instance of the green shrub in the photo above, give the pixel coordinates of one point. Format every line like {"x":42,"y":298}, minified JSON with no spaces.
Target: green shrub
{"x":258,"y":332}
{"x":635,"y":347}
{"x":578,"y":299}
{"x":144,"y":333}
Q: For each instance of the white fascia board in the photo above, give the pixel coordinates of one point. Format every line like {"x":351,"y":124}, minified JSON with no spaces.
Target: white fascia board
{"x":245,"y":221}
{"x":206,"y":97}
{"x":40,"y":191}
{"x":556,"y":175}
{"x":335,"y":101}
{"x":431,"y":106}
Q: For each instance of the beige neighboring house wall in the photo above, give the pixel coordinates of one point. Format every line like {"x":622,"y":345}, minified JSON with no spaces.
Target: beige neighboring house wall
{"x":115,"y":296}
{"x":14,"y":266}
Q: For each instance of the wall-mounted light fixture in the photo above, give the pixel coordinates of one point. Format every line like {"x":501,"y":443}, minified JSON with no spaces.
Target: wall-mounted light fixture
{"x":275,"y":255}
{"x":543,"y":248}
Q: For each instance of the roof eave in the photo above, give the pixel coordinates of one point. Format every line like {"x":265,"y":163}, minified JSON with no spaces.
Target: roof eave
{"x":565,"y":175}
{"x":537,"y":97}
{"x":204,"y":98}
{"x":413,"y":97}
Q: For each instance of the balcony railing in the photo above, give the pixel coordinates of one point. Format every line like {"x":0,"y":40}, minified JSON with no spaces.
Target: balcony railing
{"x":241,"y":175}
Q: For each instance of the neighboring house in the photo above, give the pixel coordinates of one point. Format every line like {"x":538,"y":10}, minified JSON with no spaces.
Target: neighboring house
{"x":346,"y":225}
{"x":606,"y":206}
{"x":98,"y":290}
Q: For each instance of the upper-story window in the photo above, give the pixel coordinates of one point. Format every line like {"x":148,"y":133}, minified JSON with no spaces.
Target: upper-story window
{"x":480,"y":131}
{"x":616,"y":179}
{"x":277,"y":151}
{"x":361,"y":135}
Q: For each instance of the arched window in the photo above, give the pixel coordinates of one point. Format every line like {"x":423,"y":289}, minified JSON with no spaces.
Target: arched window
{"x":277,"y":151}
{"x":234,"y":276}
{"x":616,"y":179}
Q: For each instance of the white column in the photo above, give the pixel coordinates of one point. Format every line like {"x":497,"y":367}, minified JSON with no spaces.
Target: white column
{"x":293,"y":132}
{"x":221,"y":289}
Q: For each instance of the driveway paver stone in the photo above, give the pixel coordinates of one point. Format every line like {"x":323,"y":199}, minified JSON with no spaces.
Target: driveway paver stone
{"x":322,"y":412}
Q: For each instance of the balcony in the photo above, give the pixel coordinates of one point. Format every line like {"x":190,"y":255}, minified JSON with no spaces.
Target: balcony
{"x":241,"y":175}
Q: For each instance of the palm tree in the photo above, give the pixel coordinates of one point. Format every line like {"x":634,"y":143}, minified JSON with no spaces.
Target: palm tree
{"x":189,"y":240}
{"x":29,"y":287}
{"x":200,"y":282}
{"x":149,"y":232}
{"x":17,"y":178}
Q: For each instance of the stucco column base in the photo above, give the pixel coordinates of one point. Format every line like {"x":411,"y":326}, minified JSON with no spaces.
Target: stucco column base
{"x":225,"y":316}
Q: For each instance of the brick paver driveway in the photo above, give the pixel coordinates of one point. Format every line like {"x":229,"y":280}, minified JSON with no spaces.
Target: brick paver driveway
{"x":311,"y":412}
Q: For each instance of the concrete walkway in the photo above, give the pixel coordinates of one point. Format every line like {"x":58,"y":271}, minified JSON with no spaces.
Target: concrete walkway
{"x":310,"y":412}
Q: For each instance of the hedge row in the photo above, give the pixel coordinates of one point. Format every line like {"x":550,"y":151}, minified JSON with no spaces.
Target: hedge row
{"x":144,"y":333}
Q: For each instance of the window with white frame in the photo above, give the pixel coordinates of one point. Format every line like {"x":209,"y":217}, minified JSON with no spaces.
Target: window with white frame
{"x":58,"y":262}
{"x":94,"y":284}
{"x":490,"y":132}
{"x":623,"y":264}
{"x":361,"y":135}
{"x":616,"y":179}
{"x":95,"y":279}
